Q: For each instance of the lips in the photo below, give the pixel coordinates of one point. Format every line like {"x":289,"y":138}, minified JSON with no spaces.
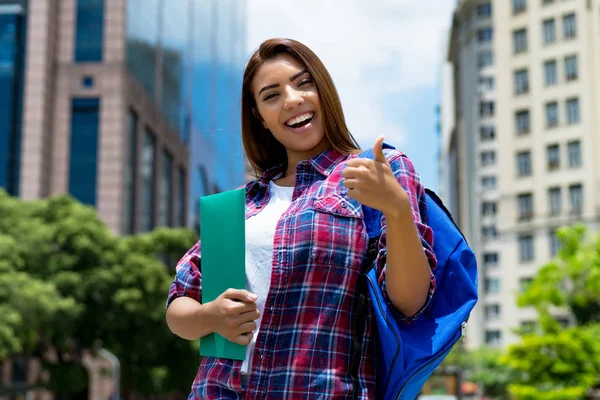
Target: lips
{"x":300,"y":120}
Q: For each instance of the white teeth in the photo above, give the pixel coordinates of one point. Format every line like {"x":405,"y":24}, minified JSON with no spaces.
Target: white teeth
{"x":299,"y":119}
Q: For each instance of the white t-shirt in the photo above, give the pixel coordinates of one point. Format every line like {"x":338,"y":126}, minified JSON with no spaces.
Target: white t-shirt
{"x":260,"y":234}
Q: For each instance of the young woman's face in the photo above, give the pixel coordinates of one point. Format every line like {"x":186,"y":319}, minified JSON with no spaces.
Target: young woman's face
{"x":288,"y":105}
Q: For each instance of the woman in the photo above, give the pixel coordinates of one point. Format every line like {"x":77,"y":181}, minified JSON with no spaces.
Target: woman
{"x":306,"y":243}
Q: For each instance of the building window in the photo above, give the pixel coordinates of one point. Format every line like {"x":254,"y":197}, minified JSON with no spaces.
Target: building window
{"x":13,"y":38}
{"x":574,"y":152}
{"x":486,"y":83}
{"x":555,"y":200}
{"x":551,"y":115}
{"x":487,"y":133}
{"x":492,"y":285}
{"x":488,"y":208}
{"x":576,"y":199}
{"x":571,"y":68}
{"x":129,"y":196}
{"x":572,"y":111}
{"x":486,"y":109}
{"x":485,"y":58}
{"x":20,"y":370}
{"x":569,"y":26}
{"x":520,"y":41}
{"x":553,"y":157}
{"x":488,"y":182}
{"x":83,"y":164}
{"x":521,"y":81}
{"x":526,"y":249}
{"x":484,"y":10}
{"x":181,"y":187}
{"x":488,"y":158}
{"x":493,"y":338}
{"x":490,"y":259}
{"x":524,"y":163}
{"x":519,"y":6}
{"x":554,"y":242}
{"x":525,"y":204}
{"x":549,"y":30}
{"x":550,"y":73}
{"x":166,"y":190}
{"x":489,"y":232}
{"x":522,"y":122}
{"x":485,"y":35}
{"x":525,"y":283}
{"x":89,"y":30}
{"x":528,"y":327}
{"x":492,"y":312}
{"x":147,"y":175}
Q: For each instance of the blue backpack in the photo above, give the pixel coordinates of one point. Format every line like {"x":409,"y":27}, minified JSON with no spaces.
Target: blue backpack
{"x":407,"y":354}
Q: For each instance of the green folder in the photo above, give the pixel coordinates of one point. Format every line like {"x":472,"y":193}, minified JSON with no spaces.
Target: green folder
{"x":223,"y":236}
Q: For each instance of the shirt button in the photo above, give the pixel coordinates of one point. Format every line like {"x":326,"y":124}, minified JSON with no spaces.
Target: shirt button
{"x":344,"y":205}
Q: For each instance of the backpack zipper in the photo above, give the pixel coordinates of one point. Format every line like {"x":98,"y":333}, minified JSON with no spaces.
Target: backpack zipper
{"x":462,"y":329}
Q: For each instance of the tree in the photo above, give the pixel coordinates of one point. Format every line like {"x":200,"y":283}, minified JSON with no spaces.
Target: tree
{"x":570,"y":280}
{"x":68,"y":285}
{"x":482,"y":366}
{"x":559,"y":363}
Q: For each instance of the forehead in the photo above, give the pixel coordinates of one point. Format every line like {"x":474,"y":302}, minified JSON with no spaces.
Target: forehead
{"x":277,"y":70}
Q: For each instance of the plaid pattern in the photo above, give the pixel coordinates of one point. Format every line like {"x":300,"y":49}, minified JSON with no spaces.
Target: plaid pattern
{"x":303,"y":349}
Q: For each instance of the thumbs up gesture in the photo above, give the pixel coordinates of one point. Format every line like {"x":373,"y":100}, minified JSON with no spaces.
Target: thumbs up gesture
{"x":372,"y":182}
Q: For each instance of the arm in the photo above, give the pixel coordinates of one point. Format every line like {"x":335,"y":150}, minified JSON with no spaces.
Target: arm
{"x":408,"y":259}
{"x":232,"y":314}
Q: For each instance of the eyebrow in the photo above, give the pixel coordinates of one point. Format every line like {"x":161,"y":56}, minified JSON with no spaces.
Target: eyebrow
{"x":274,"y":85}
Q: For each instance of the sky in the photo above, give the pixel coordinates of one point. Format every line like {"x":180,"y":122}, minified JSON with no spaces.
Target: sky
{"x":384,"y":57}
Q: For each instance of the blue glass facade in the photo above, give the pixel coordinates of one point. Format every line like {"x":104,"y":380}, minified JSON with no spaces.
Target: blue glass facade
{"x":89,"y":30}
{"x":189,"y":57}
{"x":216,"y":156}
{"x":85,"y":116}
{"x":12,"y":52}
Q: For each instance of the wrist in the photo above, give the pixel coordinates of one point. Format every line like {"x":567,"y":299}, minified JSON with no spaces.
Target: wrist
{"x":400,"y":209}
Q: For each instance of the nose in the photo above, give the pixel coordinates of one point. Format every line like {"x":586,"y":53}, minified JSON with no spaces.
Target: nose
{"x":293,"y":98}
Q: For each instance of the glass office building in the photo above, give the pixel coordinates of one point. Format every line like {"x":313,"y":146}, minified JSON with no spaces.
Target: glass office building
{"x":13,"y":28}
{"x":189,"y":57}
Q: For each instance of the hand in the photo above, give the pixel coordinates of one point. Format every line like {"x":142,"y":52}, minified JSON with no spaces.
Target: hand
{"x":372,"y":182}
{"x":235,"y":311}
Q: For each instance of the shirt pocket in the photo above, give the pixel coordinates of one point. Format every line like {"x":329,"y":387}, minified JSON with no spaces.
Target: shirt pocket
{"x":339,"y":235}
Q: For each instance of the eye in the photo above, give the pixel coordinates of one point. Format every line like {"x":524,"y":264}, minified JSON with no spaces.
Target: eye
{"x":270,"y":96}
{"x":307,"y":81}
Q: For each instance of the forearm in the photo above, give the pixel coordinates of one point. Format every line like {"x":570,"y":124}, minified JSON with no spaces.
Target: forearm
{"x":189,"y":319}
{"x":408,"y":274}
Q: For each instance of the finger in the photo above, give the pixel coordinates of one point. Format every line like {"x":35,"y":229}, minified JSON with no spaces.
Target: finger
{"x":248,"y":316}
{"x":358,"y":162}
{"x":350,"y":184}
{"x":240,"y":294}
{"x":243,"y":339}
{"x":378,"y":150}
{"x":247,"y":327}
{"x":354,"y":172}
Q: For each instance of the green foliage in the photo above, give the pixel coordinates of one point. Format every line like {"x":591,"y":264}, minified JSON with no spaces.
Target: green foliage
{"x":563,"y":365}
{"x":68,"y":284}
{"x":483,"y":366}
{"x":571,"y":280}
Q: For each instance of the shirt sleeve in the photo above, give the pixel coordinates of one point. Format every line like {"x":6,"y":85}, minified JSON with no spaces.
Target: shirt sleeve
{"x":188,"y":277}
{"x":407,"y":177}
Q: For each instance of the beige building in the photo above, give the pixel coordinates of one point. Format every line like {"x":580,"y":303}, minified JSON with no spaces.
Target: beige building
{"x":519,"y":153}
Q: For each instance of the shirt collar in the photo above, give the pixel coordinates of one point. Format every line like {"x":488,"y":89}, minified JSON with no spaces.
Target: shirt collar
{"x":324,"y":163}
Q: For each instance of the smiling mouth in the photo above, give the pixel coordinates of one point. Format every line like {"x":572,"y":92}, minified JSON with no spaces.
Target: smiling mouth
{"x":300,"y":121}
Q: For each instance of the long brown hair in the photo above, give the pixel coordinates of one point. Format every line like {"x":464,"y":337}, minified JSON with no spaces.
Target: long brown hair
{"x":262,"y":149}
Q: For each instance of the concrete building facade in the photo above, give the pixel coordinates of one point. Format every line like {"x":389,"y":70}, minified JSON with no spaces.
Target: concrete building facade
{"x":526,"y":90}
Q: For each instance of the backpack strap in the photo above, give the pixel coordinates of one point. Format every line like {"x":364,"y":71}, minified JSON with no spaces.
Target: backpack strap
{"x":372,"y":218}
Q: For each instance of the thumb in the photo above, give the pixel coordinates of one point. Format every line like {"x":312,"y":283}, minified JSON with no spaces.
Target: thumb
{"x":378,"y":150}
